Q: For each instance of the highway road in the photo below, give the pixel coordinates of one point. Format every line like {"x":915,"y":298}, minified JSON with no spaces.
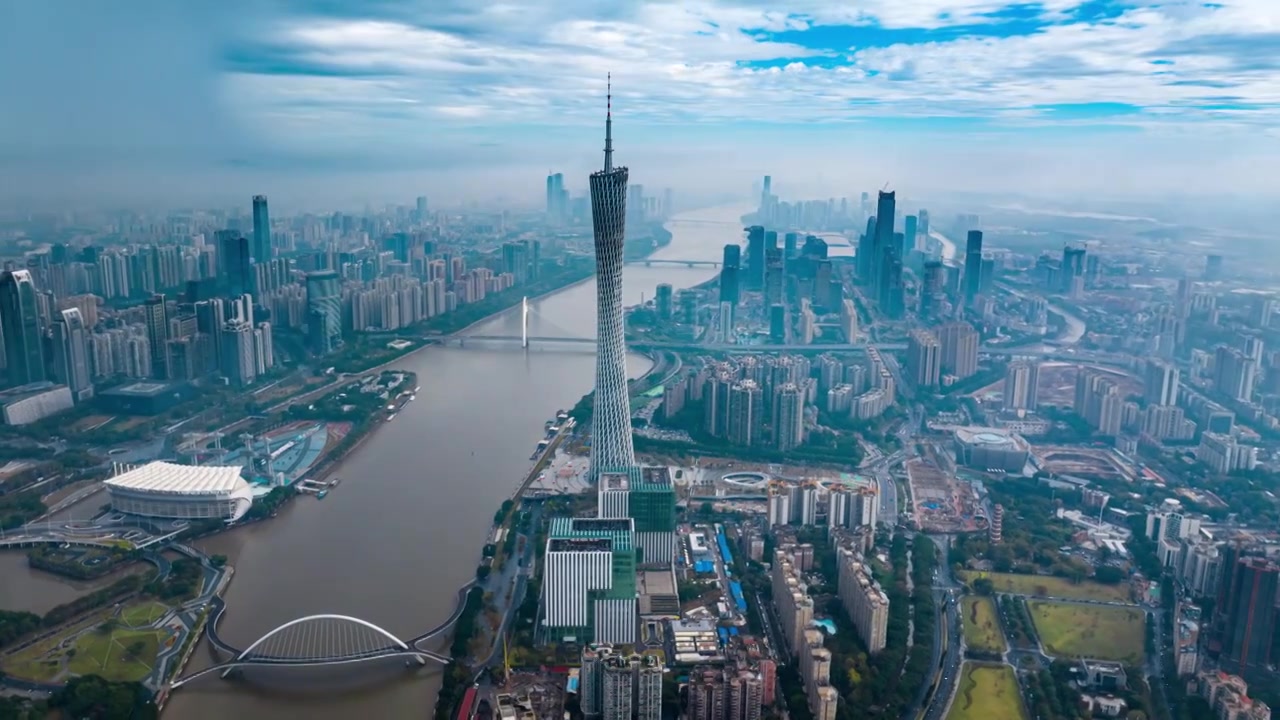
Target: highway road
{"x":948,"y":674}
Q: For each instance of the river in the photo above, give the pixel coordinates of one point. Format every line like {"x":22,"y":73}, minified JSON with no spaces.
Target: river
{"x":393,"y":543}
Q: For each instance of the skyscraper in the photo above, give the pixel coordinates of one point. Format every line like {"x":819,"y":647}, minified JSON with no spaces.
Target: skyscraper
{"x":972,"y":266}
{"x":1161,"y":383}
{"x":886,"y":206}
{"x":923,"y":358}
{"x":1020,"y":385}
{"x":261,"y":230}
{"x":157,"y":316}
{"x":20,"y":322}
{"x":611,"y":447}
{"x":71,"y":354}
{"x":324,"y":311}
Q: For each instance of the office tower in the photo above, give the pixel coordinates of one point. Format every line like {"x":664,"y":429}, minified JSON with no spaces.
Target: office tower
{"x":788,"y":416}
{"x":959,"y":349}
{"x":790,"y":241}
{"x":234,"y":263}
{"x":71,"y":354}
{"x":611,"y":447}
{"x":589,"y":585}
{"x":755,"y":258}
{"x":157,"y":321}
{"x":972,"y":266}
{"x":731,"y":274}
{"x":1161,"y":383}
{"x":1072,"y":270}
{"x":773,"y":276}
{"x":923,"y":358}
{"x":1213,"y":268}
{"x":324,"y":311}
{"x":239,"y":362}
{"x":1020,"y":385}
{"x":883,"y":240}
{"x":745,"y":413}
{"x":420,"y":209}
{"x":261,"y":230}
{"x":923,"y":222}
{"x":778,"y":323}
{"x":1248,"y":612}
{"x":20,"y":324}
{"x":909,"y":232}
{"x":933,"y":286}
{"x":892,"y":299}
{"x":662,"y":301}
{"x":865,"y":256}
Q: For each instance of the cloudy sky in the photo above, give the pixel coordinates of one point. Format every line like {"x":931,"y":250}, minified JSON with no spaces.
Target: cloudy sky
{"x":316,"y":101}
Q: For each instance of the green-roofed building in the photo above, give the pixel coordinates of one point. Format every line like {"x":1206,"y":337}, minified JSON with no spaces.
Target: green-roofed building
{"x":589,"y":581}
{"x":647,"y":496}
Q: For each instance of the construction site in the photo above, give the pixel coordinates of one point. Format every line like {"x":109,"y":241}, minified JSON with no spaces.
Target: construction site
{"x":941,"y":502}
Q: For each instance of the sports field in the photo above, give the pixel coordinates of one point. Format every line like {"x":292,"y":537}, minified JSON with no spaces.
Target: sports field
{"x":986,"y":692}
{"x":981,"y":626}
{"x":1091,"y":631}
{"x":120,"y":655}
{"x":1049,"y":586}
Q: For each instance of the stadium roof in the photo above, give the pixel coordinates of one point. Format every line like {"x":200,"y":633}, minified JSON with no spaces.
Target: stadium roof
{"x":174,"y":479}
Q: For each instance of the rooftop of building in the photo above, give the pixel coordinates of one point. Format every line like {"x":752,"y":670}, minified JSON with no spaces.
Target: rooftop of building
{"x":144,"y":388}
{"x":22,"y":392}
{"x":173,"y":479}
{"x":580,"y":545}
{"x":995,"y":438}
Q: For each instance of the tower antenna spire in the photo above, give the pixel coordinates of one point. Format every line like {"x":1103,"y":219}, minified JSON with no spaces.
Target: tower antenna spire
{"x":608,"y":125}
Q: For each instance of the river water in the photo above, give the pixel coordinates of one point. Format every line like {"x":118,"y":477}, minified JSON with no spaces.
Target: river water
{"x":393,"y":543}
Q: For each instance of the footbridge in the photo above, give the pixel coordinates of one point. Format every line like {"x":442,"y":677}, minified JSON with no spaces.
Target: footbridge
{"x":321,"y":640}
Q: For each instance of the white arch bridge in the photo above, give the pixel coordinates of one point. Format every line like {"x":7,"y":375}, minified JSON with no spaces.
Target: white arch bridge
{"x":319,"y":640}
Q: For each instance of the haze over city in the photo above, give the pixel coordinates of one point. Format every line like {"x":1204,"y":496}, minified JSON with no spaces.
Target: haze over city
{"x":328,"y":103}
{"x":639,"y":360}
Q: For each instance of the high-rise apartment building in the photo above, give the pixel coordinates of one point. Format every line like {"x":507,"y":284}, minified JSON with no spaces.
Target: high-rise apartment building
{"x":864,"y":601}
{"x":1246,"y":608}
{"x":611,"y":444}
{"x":959,"y":355}
{"x":745,"y":416}
{"x":923,"y":358}
{"x":1021,"y":380}
{"x":262,"y":250}
{"x":20,"y":324}
{"x":788,"y":416}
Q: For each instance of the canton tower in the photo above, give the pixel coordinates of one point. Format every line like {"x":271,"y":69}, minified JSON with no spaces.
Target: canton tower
{"x":611,"y":447}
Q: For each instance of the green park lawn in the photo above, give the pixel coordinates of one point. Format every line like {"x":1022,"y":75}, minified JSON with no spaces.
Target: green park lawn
{"x":1049,"y":586}
{"x":142,"y":614}
{"x":986,"y":692}
{"x":107,"y":654}
{"x":1091,"y":631}
{"x":981,"y":626}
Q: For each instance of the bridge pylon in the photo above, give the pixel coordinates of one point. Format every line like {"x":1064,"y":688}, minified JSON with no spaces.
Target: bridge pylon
{"x":524,"y":322}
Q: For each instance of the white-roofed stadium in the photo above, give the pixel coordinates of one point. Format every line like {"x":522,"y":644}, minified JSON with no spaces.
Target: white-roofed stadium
{"x":169,"y":490}
{"x":985,"y":448}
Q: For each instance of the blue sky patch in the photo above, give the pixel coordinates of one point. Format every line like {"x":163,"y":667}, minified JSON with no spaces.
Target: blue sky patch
{"x":1087,"y":111}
